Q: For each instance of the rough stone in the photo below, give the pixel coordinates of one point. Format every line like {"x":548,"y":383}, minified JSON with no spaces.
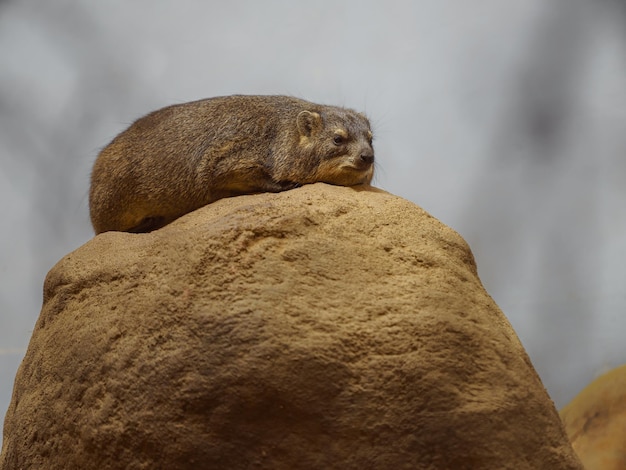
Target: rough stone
{"x":319,"y":328}
{"x":595,"y":421}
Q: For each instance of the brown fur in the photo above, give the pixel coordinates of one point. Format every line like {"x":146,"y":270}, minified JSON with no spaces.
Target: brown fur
{"x":182,"y":157}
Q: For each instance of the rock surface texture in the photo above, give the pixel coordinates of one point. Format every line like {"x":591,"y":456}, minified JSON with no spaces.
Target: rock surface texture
{"x":595,"y":421}
{"x":319,"y":328}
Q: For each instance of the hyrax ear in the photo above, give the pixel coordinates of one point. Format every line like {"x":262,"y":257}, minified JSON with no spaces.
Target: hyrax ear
{"x":308,"y":123}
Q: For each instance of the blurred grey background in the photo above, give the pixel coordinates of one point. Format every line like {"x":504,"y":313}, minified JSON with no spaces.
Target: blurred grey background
{"x":505,"y":120}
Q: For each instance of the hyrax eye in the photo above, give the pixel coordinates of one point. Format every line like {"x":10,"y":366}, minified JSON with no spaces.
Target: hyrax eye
{"x":338,"y":139}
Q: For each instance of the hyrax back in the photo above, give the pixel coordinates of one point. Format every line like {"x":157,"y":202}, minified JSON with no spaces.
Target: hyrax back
{"x":185,"y":156}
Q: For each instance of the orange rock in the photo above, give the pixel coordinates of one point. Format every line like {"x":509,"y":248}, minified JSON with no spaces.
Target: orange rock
{"x":320,"y":328}
{"x":595,"y":422}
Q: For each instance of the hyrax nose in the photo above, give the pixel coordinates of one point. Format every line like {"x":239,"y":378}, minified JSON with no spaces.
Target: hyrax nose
{"x":367,"y":157}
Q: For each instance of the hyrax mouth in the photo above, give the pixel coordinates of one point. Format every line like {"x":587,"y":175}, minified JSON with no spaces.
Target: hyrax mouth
{"x":356,"y":171}
{"x":345,"y":171}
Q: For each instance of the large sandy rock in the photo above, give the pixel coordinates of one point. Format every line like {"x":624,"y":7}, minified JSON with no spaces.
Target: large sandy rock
{"x":320,"y":328}
{"x":595,"y":421}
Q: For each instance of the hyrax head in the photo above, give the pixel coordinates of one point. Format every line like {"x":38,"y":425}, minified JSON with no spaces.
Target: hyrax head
{"x":342,"y":141}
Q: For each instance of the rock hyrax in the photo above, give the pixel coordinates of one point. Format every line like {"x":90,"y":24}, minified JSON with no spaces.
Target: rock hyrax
{"x":182,"y":157}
